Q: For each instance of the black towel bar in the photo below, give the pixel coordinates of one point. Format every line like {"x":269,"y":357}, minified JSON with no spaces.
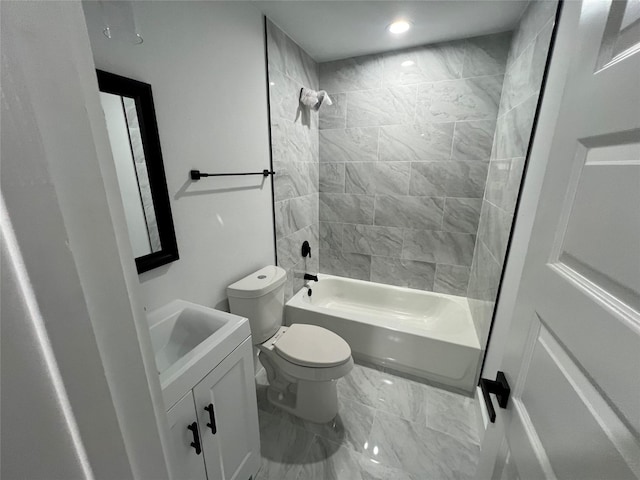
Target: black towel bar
{"x":197,"y":174}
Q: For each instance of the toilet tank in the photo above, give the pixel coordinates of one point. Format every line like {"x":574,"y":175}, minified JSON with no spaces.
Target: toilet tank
{"x":260,"y":298}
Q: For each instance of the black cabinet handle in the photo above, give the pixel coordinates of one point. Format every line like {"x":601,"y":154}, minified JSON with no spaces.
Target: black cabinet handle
{"x":212,"y":418}
{"x":499,"y":387}
{"x":196,"y":438}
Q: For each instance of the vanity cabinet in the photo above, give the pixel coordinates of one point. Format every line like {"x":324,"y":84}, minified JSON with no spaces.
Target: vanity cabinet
{"x":219,"y":418}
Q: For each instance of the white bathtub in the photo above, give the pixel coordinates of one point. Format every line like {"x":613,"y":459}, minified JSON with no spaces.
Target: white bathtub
{"x":424,"y":334}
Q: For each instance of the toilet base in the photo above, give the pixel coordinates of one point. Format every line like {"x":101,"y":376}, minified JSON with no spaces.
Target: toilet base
{"x":313,"y":401}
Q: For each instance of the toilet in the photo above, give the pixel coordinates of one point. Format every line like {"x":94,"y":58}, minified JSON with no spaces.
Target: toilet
{"x":303,"y":362}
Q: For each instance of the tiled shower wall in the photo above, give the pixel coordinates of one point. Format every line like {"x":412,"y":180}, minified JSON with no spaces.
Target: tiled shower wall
{"x":294,"y":147}
{"x":404,"y":154}
{"x":523,"y":78}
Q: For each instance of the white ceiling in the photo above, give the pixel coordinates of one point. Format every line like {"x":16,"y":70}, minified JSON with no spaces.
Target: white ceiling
{"x":330,"y":29}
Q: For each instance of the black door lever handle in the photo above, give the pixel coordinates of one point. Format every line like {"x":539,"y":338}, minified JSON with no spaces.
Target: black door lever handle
{"x":499,"y":387}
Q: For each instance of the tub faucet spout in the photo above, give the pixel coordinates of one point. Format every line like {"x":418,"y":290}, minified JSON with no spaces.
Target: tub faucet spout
{"x":308,"y":276}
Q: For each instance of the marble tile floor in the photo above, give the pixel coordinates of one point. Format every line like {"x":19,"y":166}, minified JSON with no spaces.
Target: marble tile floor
{"x":388,"y":428}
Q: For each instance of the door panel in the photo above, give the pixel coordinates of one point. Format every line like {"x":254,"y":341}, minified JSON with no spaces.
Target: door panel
{"x":186,"y":464}
{"x":232,"y":424}
{"x":527,"y":457}
{"x":558,"y":397}
{"x":602,"y":338}
{"x":621,"y":32}
{"x":233,"y":452}
{"x":607,"y":190}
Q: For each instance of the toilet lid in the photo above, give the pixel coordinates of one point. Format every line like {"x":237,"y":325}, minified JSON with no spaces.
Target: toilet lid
{"x":312,"y":346}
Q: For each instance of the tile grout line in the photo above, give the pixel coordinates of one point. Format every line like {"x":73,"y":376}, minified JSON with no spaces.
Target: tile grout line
{"x":426,"y":388}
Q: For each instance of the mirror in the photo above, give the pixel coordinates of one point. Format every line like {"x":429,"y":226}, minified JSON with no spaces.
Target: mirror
{"x":133,"y":135}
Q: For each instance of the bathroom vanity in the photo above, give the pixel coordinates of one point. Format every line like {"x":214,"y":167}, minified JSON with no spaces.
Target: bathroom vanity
{"x":204,"y":359}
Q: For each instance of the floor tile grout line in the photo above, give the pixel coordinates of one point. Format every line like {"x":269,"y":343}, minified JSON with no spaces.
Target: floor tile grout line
{"x":428,"y":427}
{"x":427,"y":388}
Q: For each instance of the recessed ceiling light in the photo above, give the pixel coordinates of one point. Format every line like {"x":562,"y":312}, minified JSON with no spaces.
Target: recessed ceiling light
{"x":407,"y":63}
{"x":400,"y":26}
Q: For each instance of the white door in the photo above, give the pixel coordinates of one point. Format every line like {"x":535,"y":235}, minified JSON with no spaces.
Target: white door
{"x":228,"y":414}
{"x":573,"y":352}
{"x":187,"y":462}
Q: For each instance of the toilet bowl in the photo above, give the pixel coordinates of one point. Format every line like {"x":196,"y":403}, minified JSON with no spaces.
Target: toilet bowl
{"x":303,"y":362}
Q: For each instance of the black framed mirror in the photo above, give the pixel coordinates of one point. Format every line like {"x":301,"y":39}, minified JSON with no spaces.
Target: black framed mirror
{"x":135,"y":143}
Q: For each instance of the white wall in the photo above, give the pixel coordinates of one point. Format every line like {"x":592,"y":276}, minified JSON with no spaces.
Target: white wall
{"x":206,"y":65}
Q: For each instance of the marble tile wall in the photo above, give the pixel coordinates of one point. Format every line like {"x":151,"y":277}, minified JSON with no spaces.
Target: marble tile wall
{"x":522,"y":82}
{"x":404,"y":155}
{"x":294,"y":148}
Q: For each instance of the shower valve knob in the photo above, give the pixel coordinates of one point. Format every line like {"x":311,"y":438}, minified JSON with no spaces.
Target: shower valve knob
{"x":306,"y":249}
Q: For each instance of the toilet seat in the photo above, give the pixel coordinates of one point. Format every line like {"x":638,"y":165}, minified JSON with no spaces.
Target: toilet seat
{"x":312,"y":346}
{"x":336,"y":367}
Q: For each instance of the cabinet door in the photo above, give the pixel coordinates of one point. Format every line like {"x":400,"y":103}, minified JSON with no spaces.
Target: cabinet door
{"x":233,"y":451}
{"x":185,"y":462}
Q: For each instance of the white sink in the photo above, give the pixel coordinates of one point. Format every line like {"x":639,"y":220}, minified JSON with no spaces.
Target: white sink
{"x":189,"y":341}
